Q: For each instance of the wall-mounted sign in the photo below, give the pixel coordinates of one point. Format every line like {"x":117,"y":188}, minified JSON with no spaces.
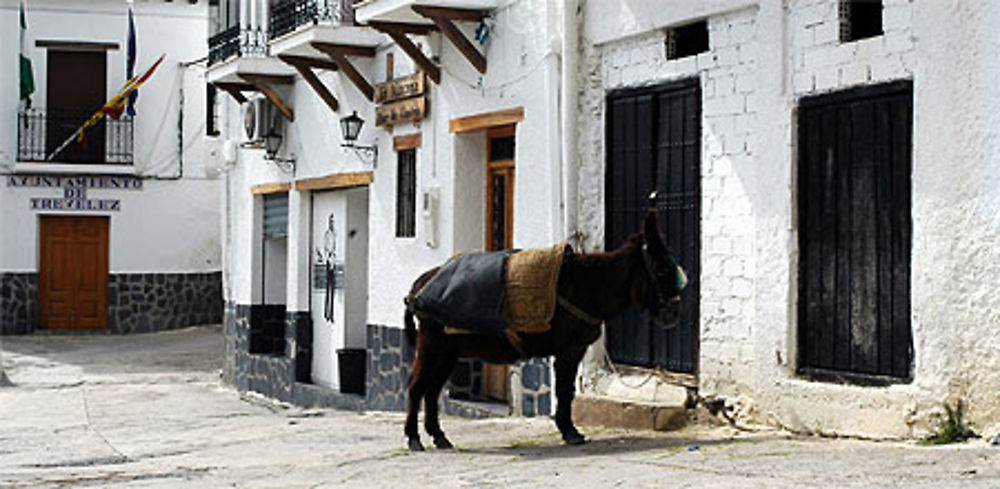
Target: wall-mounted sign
{"x":409,"y":110}
{"x":75,"y":191}
{"x":400,"y":88}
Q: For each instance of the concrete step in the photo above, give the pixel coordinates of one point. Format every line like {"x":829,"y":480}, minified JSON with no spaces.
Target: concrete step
{"x":590,"y":410}
{"x":475,"y":409}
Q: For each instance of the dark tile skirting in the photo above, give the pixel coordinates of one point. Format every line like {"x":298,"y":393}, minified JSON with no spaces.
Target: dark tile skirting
{"x":146,"y":302}
{"x":18,"y":303}
{"x":137,"y":302}
{"x":387,"y":371}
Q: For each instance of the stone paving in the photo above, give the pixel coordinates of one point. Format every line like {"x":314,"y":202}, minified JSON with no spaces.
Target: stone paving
{"x":148,"y":410}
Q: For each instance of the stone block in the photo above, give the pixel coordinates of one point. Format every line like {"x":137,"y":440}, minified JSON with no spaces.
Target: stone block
{"x":612,"y":413}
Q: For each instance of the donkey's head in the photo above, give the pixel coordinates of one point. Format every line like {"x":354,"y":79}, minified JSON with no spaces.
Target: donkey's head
{"x":660,"y":280}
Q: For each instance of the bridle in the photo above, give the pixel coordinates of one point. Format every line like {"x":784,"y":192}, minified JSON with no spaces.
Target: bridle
{"x":657,"y":278}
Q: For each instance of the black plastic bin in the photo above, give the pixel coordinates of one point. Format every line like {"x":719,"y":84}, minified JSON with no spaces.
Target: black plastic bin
{"x":351,"y":362}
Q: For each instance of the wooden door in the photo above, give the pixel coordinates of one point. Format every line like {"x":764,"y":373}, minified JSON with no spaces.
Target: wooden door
{"x":76,"y":87}
{"x":654,"y":143}
{"x":855,"y":232}
{"x":499,"y":228}
{"x":73,"y":272}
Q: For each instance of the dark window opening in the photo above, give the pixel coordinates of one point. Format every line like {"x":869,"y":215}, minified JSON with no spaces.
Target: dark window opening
{"x":855,"y":233}
{"x":687,"y":40}
{"x":860,"y":19}
{"x":502,"y":148}
{"x":406,"y":194}
{"x":211,"y":113}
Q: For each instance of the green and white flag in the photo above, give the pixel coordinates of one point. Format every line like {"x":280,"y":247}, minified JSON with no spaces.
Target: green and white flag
{"x":27,"y":78}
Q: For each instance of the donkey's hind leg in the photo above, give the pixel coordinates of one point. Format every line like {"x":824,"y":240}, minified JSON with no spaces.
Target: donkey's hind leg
{"x":435,"y":382}
{"x":415,"y":392}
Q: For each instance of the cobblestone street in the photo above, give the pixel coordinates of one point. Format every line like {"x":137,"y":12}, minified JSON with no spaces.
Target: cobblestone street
{"x":149,"y":411}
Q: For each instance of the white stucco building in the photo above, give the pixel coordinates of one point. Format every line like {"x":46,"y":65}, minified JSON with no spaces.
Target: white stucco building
{"x":123,"y":234}
{"x":823,"y":169}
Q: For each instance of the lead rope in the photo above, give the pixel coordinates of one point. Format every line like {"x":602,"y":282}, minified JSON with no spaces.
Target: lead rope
{"x":584,"y":316}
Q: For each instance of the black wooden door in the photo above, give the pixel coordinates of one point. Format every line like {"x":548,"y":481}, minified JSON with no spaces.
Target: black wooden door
{"x":854,"y":234}
{"x":654,"y":143}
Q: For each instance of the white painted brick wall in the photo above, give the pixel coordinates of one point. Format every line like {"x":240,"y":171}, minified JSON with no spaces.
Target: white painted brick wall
{"x":822,"y":63}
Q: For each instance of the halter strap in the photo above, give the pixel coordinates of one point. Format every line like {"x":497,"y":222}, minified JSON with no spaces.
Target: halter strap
{"x":576,"y":311}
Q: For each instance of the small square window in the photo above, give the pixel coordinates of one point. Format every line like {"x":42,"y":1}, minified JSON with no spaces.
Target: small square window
{"x":860,"y":19}
{"x":687,"y":40}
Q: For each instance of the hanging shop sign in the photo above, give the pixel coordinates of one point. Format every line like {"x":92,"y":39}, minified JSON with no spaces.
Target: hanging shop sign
{"x":401,"y":100}
{"x":75,"y":188}
{"x":401,"y":88}
{"x":409,"y":110}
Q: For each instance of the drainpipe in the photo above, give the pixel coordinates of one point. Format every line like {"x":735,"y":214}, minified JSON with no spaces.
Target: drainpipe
{"x":568,"y":110}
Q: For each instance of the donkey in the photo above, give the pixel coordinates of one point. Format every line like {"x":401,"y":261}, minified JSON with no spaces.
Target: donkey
{"x":591,"y":288}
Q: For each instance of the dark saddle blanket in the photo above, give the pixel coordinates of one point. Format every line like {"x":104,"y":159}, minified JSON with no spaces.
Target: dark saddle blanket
{"x":468,"y":293}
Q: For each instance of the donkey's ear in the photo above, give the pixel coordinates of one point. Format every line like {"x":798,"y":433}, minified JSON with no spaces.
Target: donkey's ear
{"x":650,"y":231}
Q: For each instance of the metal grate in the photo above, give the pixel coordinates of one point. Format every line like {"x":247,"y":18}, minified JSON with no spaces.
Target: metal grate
{"x":289,"y":15}
{"x":654,"y":141}
{"x":276,"y":215}
{"x":39,"y":134}
{"x":406,"y":194}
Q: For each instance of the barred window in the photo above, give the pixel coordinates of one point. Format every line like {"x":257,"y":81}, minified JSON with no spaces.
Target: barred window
{"x":860,"y":19}
{"x":406,"y":193}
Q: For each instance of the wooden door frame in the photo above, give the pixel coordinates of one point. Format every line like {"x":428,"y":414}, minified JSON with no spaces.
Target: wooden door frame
{"x":102,"y":268}
{"x":507,"y":168}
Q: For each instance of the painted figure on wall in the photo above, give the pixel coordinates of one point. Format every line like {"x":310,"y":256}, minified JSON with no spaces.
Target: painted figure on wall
{"x":329,"y":256}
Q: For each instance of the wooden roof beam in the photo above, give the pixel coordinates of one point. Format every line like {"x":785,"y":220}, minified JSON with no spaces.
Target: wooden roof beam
{"x":338,"y":53}
{"x":304,"y":66}
{"x":236,"y":90}
{"x":398,"y":34}
{"x":444,"y":19}
{"x":317,"y":63}
{"x":261,"y":82}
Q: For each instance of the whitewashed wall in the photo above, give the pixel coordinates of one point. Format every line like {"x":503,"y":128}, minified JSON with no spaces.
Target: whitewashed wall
{"x":763,"y":57}
{"x":168,"y":226}
{"x":522,"y":73}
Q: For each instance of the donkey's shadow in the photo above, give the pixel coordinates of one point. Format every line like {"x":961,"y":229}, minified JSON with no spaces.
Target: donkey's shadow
{"x":550,"y":447}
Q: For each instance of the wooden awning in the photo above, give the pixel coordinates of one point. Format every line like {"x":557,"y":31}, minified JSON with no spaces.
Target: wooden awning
{"x":338,"y":53}
{"x":255,"y":82}
{"x":305,"y":65}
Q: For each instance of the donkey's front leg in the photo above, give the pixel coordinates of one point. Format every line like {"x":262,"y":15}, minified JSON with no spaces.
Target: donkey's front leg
{"x":566,"y":366}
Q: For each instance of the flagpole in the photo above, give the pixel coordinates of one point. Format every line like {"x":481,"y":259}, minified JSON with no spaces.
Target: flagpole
{"x":66,"y":142}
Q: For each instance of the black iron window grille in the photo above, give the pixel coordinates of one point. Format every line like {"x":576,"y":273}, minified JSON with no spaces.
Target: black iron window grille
{"x":40,"y":134}
{"x":289,"y":15}
{"x":235,"y":41}
{"x":406,"y":194}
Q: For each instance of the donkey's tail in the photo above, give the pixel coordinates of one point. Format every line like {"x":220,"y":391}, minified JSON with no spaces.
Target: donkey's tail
{"x":411,"y":327}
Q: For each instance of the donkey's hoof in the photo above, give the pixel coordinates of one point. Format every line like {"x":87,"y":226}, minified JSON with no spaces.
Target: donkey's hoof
{"x":442,"y":442}
{"x":415,"y":445}
{"x":574,"y":438}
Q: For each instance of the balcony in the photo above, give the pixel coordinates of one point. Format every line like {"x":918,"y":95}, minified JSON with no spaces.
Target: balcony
{"x":288,"y":15}
{"x":40,"y":133}
{"x":235,"y":41}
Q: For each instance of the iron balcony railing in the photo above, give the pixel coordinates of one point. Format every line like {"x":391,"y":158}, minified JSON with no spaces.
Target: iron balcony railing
{"x":235,"y":41}
{"x":39,"y":134}
{"x":289,"y":15}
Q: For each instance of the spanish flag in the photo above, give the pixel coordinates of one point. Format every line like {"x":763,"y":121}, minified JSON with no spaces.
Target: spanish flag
{"x":116,"y":105}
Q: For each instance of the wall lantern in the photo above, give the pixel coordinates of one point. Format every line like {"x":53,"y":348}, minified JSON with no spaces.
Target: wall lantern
{"x":350,"y":127}
{"x":272,"y":143}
